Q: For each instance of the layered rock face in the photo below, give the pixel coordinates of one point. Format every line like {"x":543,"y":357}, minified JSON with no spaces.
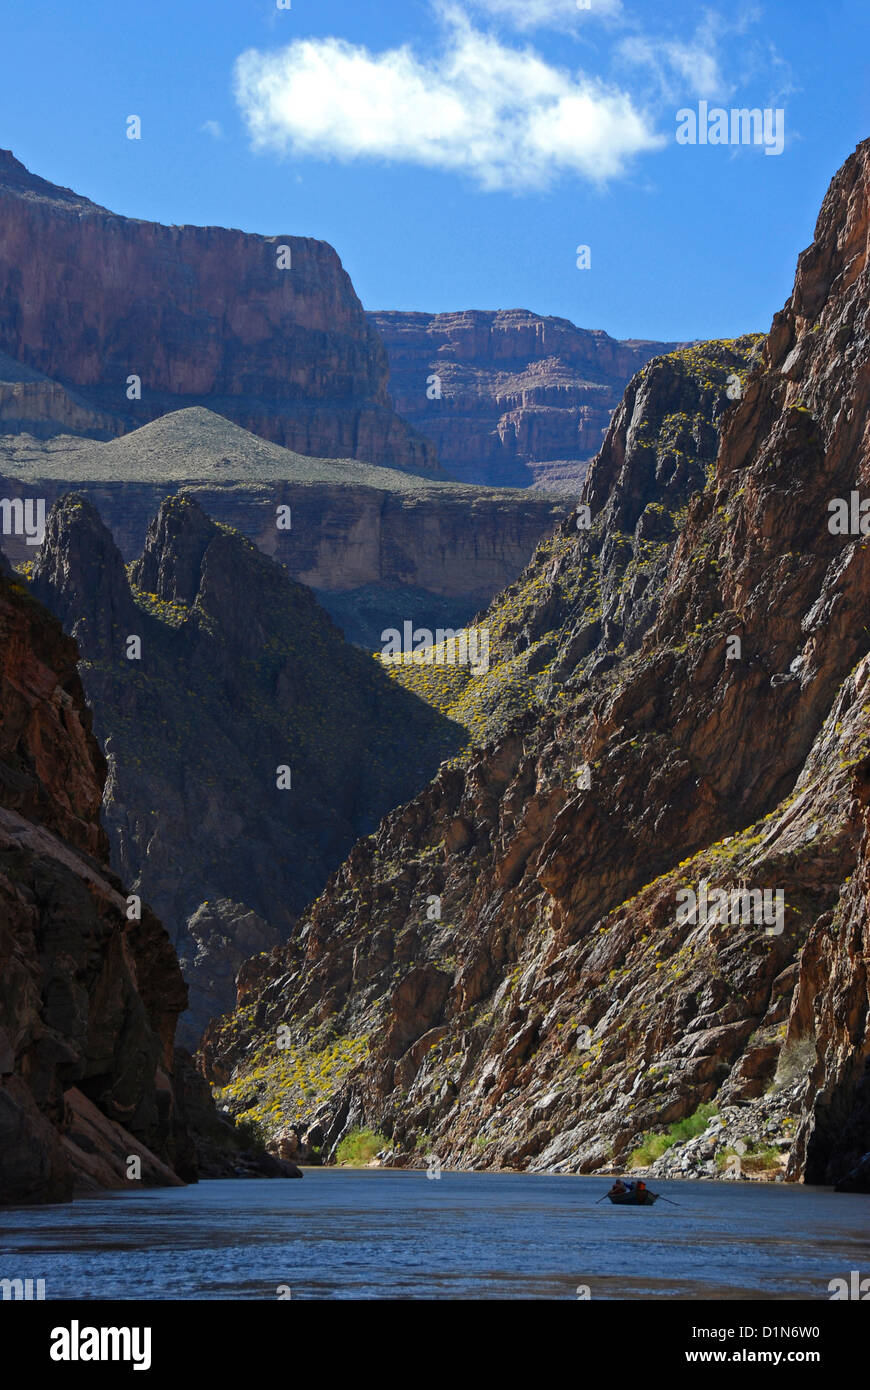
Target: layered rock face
{"x":88,"y":997}
{"x":646,"y":893}
{"x":377,"y":545}
{"x":249,"y":745}
{"x":508,"y":398}
{"x":266,"y":330}
{"x":32,"y":404}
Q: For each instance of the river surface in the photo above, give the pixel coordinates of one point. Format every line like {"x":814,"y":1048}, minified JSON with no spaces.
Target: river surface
{"x":389,"y":1234}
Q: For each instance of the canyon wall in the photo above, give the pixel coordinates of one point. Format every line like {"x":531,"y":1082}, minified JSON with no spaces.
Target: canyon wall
{"x":266,"y":330}
{"x":508,"y":398}
{"x":240,"y":674}
{"x":507,"y":952}
{"x":89,"y":997}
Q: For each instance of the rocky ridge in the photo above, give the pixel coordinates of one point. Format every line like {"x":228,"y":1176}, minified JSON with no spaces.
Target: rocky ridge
{"x":241,"y":673}
{"x":594,"y":589}
{"x":505,"y":954}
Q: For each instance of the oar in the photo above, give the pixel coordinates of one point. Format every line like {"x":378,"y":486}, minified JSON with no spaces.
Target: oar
{"x":601,"y":1199}
{"x":662,"y":1198}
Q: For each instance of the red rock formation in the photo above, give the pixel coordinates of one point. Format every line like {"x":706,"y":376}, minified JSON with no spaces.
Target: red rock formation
{"x":202,"y":315}
{"x":524,"y":398}
{"x":88,"y":999}
{"x":745,"y":769}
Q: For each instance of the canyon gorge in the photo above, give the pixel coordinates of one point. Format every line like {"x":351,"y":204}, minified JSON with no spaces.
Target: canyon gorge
{"x":553,"y":1012}
{"x":432,"y":905}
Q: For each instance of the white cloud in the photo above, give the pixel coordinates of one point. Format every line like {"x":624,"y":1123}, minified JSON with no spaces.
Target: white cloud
{"x":212,"y":128}
{"x":720,"y":58}
{"x":504,"y":116}
{"x":545,"y":14}
{"x":678,"y":68}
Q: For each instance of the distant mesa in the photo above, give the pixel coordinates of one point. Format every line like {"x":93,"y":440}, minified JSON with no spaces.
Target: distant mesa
{"x":190,"y":445}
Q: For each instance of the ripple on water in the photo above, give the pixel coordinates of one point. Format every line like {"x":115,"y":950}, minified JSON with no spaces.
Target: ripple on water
{"x":381,"y":1234}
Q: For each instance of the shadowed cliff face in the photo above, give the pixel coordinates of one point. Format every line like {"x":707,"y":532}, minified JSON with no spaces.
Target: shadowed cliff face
{"x":560,"y":1006}
{"x":508,"y":398}
{"x":241,"y":675}
{"x":201,"y":315}
{"x":88,"y":998}
{"x":32,"y":403}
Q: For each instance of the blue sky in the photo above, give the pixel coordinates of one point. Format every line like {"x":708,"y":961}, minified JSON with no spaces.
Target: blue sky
{"x":457,"y":152}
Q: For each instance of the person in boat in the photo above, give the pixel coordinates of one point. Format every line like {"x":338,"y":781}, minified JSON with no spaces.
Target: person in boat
{"x":640,"y":1190}
{"x":619,"y":1189}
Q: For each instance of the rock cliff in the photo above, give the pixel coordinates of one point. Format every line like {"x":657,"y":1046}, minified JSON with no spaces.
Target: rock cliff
{"x":522,"y":965}
{"x":239,"y":674}
{"x":34,"y":405}
{"x":88,"y":996}
{"x":508,"y":398}
{"x":265,"y":330}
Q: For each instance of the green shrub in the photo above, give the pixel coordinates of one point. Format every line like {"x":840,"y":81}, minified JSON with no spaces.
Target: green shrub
{"x":251,"y":1132}
{"x":653,"y":1145}
{"x":359,"y":1146}
{"x":693,"y":1125}
{"x":757,"y":1158}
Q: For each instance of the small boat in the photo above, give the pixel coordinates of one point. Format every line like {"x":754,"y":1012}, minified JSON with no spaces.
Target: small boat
{"x":633,"y":1199}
